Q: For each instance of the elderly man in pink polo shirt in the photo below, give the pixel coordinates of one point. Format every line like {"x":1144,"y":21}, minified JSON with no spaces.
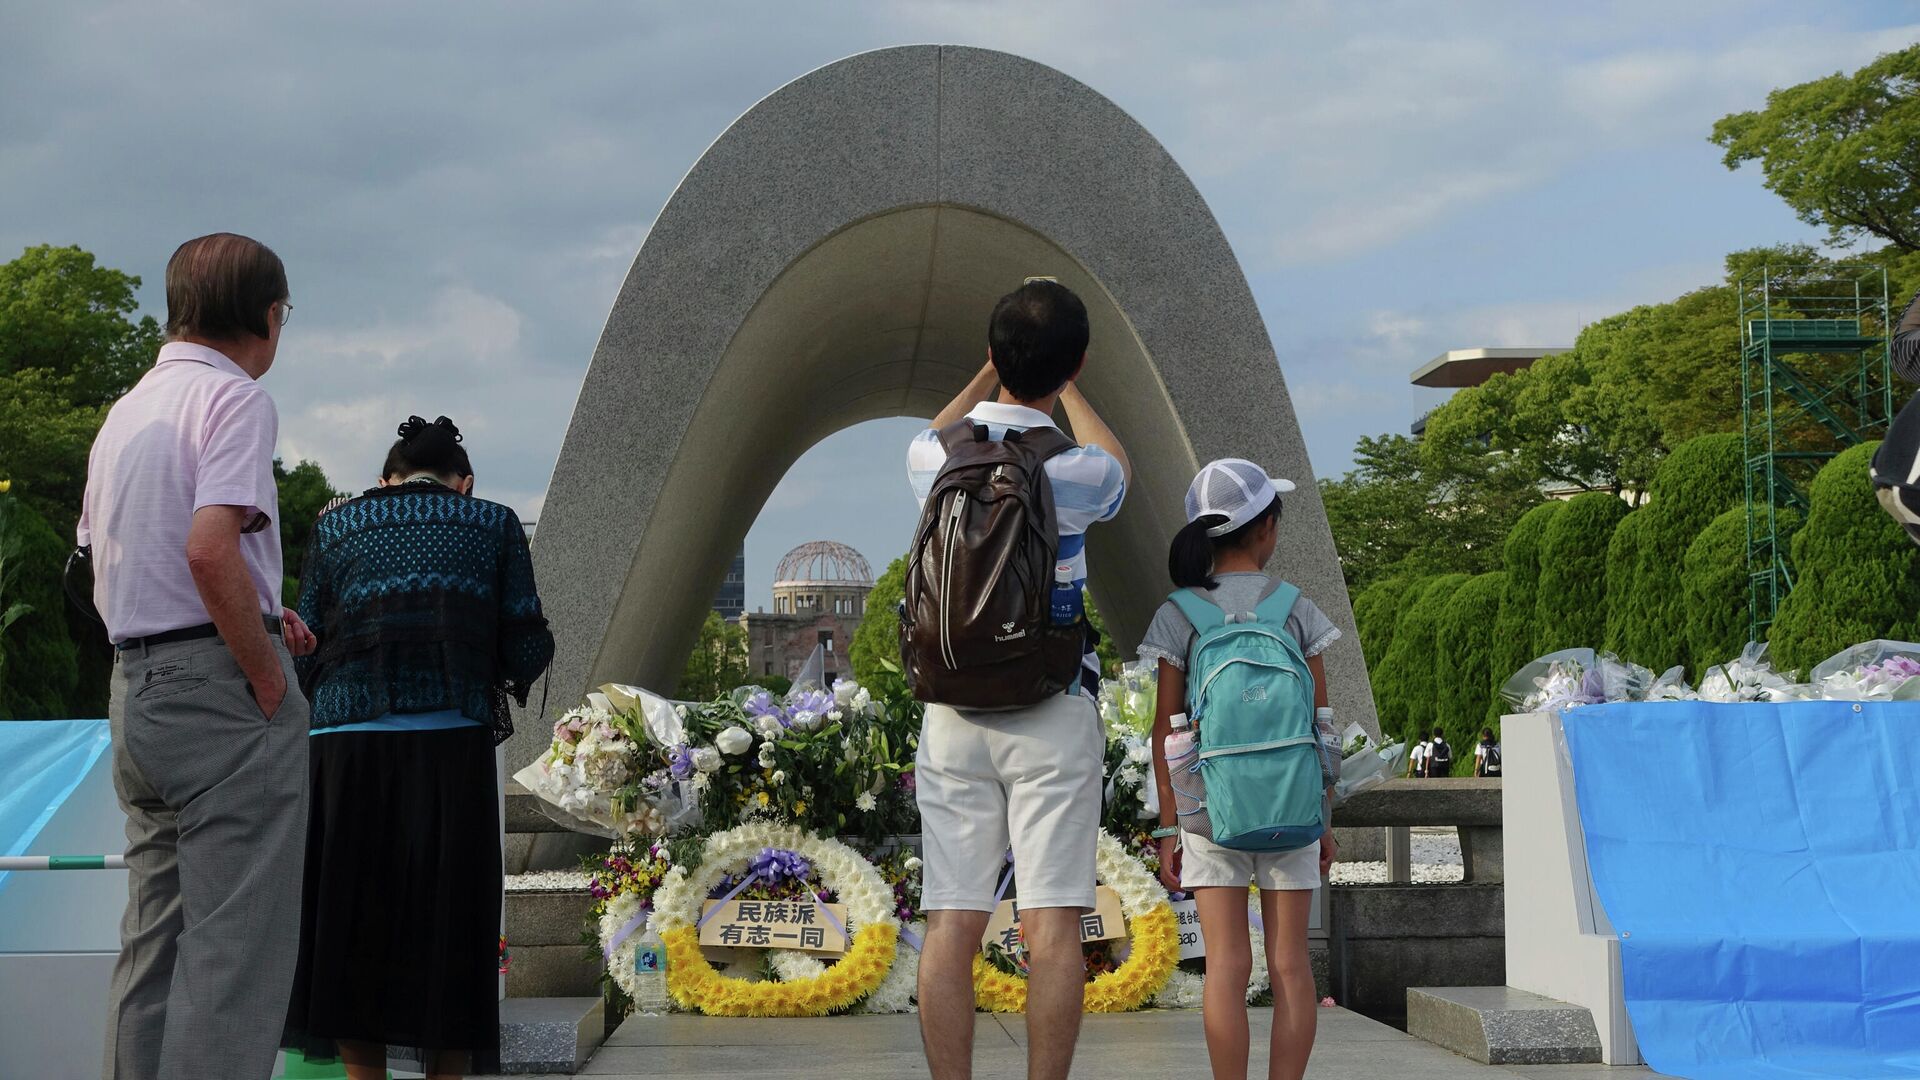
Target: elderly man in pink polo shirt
{"x":209,"y":728}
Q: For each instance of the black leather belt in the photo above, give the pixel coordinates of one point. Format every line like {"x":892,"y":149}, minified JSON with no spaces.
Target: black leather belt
{"x":188,"y":633}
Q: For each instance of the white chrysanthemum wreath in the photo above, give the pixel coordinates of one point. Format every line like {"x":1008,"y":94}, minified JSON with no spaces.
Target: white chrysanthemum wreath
{"x":807,"y":987}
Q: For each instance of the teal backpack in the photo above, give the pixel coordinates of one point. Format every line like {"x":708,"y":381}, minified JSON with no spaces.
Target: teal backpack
{"x":1250,"y":695}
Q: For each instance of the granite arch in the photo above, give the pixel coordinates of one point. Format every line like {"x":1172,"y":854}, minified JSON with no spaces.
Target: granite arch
{"x":832,"y":259}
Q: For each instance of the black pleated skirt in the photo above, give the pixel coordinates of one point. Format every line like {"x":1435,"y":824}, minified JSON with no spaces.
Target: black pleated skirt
{"x":400,"y":933}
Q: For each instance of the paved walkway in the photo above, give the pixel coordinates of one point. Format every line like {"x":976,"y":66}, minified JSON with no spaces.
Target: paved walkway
{"x":1156,"y":1045}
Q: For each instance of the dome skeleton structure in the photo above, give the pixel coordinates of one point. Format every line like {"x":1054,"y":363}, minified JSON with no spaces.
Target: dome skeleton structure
{"x":823,"y":562}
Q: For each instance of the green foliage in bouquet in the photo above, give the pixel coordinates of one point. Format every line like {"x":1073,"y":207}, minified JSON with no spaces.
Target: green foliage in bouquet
{"x":1713,"y":586}
{"x":1571,"y":611}
{"x":1646,"y":606}
{"x":1408,"y":685}
{"x":1513,"y":629}
{"x":39,"y":663}
{"x":1858,"y":576}
{"x":1464,"y":660}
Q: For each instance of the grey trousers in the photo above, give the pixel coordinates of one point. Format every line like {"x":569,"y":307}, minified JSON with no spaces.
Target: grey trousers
{"x":216,"y":802}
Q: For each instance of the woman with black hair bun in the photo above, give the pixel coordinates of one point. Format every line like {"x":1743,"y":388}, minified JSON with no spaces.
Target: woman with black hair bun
{"x":432,"y":622}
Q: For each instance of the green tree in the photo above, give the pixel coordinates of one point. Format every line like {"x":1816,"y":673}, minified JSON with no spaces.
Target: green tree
{"x":1843,"y":151}
{"x":39,"y":664}
{"x":1713,"y":586}
{"x":875,"y":652}
{"x":1406,"y":509}
{"x":1626,"y":553}
{"x":62,"y":314}
{"x":1513,"y":629}
{"x":1570,"y":611}
{"x":1858,"y":574}
{"x":718,"y":662}
{"x":1406,"y":686}
{"x":304,"y":492}
{"x":1464,"y":659}
{"x":1647,"y":612}
{"x":44,"y":440}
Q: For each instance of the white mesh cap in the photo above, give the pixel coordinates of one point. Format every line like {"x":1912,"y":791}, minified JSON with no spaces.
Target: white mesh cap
{"x":1234,"y":488}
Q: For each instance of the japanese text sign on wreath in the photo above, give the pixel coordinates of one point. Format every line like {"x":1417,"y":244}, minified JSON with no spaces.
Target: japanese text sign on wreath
{"x":1103,"y":923}
{"x":774,"y":924}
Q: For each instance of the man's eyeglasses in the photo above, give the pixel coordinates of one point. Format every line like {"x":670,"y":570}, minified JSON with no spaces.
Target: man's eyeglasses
{"x":286,"y":312}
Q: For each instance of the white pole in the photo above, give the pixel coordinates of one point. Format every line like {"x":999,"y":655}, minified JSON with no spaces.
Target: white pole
{"x":10,"y":863}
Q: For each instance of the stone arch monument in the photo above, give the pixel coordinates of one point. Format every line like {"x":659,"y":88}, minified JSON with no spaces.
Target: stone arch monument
{"x":831,"y":259}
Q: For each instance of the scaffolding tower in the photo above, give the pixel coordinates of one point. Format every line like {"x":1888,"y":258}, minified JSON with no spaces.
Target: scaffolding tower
{"x":1815,"y":378}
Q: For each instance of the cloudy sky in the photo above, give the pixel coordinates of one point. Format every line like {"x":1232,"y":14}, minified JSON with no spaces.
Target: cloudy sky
{"x":458,"y":190}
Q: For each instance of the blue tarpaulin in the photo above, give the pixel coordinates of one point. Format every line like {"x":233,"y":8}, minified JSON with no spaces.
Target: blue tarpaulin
{"x":41,"y":762}
{"x":1761,"y":864}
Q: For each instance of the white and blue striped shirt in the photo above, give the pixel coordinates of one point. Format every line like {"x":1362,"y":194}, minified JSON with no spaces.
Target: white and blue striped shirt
{"x":1088,"y":484}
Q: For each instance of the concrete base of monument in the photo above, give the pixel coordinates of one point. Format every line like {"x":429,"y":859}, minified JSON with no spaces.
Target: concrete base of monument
{"x":1162,"y":1044}
{"x":1498,"y":1025}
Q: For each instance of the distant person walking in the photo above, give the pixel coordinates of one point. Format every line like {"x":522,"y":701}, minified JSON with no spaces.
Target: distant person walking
{"x":1486,"y":754}
{"x":209,"y":732}
{"x":1417,"y":758}
{"x":1011,"y":748}
{"x":430,"y":622}
{"x":1439,"y":757}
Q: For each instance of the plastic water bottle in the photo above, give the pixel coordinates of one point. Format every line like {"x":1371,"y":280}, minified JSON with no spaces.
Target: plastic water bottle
{"x":1180,"y":743}
{"x":1067,"y":604}
{"x":650,"y":970}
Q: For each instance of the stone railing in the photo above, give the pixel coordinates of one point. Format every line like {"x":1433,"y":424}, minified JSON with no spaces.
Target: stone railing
{"x":1470,"y":804}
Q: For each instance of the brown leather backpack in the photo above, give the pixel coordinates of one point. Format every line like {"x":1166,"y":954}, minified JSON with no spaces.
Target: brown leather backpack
{"x":976,"y":631}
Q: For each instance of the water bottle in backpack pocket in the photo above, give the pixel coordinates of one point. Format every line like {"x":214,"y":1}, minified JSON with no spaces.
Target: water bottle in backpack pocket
{"x":1183,"y":772}
{"x":1250,"y":695}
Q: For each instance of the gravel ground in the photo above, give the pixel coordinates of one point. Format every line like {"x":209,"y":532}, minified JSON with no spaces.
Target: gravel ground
{"x":1436,"y":860}
{"x":549,"y":881}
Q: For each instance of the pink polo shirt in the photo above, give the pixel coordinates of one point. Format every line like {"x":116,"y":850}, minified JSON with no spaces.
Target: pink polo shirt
{"x":197,"y":431}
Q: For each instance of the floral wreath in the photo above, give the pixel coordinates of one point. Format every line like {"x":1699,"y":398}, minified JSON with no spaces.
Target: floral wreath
{"x":807,"y":987}
{"x":1184,"y":988}
{"x":1153,"y":932}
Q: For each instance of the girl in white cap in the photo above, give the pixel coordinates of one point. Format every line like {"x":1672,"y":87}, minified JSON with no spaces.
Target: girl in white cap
{"x":1233,"y":519}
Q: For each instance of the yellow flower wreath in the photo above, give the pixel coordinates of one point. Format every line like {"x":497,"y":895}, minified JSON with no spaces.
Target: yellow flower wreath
{"x":1154,"y":933}
{"x":694,"y":983}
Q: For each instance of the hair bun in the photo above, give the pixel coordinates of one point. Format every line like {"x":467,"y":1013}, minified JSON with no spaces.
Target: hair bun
{"x":414,"y":427}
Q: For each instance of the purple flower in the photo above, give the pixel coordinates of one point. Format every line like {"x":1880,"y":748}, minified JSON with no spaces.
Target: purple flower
{"x":774,"y":864}
{"x":763,"y":704}
{"x":680,"y":761}
{"x":813,"y":701}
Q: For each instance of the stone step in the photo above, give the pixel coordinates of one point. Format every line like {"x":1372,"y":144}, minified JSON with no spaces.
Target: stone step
{"x":537,"y":1035}
{"x":1498,"y":1025}
{"x":546,"y":918}
{"x":524,"y":814}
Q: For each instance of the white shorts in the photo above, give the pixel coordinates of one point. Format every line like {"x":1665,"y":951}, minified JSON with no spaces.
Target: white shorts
{"x":1205,"y":864}
{"x":1030,"y":778}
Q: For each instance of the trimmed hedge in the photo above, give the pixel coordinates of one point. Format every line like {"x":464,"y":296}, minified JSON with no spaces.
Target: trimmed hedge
{"x":1571,"y":610}
{"x":1513,"y":630}
{"x":1408,"y":684}
{"x":1857,"y":575}
{"x":1465,"y":661}
{"x":1647,"y":613}
{"x":1625,"y":559}
{"x":1713,"y":588}
{"x":1377,"y":610}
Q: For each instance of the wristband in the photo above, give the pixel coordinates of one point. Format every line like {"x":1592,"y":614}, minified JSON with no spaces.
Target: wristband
{"x":1165,"y":831}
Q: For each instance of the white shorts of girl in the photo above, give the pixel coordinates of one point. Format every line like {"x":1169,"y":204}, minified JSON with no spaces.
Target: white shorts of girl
{"x":1205,"y":864}
{"x":1029,"y":779}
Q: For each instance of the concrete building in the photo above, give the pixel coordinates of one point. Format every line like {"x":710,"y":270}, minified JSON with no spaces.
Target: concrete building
{"x":1459,"y":368}
{"x":833,"y":258}
{"x":731,"y":602}
{"x":819,"y":595}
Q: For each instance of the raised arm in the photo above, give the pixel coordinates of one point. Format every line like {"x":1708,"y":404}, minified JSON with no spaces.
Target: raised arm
{"x":980,"y":389}
{"x":1090,"y":430}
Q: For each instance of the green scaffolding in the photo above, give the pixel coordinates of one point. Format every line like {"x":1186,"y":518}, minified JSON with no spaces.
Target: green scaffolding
{"x":1815,"y":378}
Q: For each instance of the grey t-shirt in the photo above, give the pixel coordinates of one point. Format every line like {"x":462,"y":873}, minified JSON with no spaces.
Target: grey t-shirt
{"x":1170,"y":635}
